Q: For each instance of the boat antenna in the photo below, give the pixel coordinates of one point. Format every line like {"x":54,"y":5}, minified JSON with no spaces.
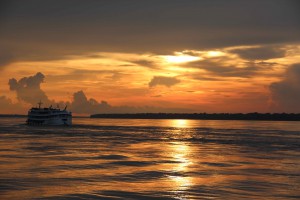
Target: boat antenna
{"x":66,"y":107}
{"x":40,"y":103}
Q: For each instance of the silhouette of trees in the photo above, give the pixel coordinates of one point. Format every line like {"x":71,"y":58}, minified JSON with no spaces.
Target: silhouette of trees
{"x":205,"y":116}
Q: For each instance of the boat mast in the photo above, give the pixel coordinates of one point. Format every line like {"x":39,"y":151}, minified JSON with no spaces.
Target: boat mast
{"x":40,"y":103}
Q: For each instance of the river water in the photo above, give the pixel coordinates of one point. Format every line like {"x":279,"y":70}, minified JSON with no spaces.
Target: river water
{"x":150,"y":159}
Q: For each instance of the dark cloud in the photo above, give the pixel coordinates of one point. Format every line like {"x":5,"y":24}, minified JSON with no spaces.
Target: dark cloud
{"x":196,"y":76}
{"x":260,"y":53}
{"x":83,"y":74}
{"x":163,"y":80}
{"x":270,"y":64}
{"x":217,"y":69}
{"x":4,"y":7}
{"x":156,"y":96}
{"x":36,"y":30}
{"x":286,"y":93}
{"x":28,"y":89}
{"x":145,"y":63}
{"x":81,"y":104}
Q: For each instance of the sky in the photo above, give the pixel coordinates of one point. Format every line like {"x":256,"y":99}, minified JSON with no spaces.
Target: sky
{"x":131,"y":56}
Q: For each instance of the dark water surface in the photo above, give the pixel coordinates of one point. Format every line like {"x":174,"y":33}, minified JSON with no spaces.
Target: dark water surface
{"x":150,"y":159}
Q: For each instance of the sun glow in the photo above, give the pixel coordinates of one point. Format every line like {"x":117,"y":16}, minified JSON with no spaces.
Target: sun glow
{"x":214,"y":53}
{"x":180,"y":58}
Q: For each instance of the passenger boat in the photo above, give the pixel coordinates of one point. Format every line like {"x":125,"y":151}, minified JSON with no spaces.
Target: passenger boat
{"x":49,"y":116}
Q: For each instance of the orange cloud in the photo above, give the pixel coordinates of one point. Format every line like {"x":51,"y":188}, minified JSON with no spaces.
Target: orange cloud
{"x":220,"y":81}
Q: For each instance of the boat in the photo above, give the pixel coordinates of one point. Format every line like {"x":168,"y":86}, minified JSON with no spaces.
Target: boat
{"x":49,"y":116}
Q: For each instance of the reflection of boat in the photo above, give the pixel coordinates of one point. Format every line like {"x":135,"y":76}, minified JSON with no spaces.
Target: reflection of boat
{"x":49,"y":116}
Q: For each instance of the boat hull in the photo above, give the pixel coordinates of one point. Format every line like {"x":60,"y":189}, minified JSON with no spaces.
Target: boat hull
{"x":54,"y":121}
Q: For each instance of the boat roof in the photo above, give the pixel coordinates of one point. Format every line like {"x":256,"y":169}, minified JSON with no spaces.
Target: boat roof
{"x":57,"y":109}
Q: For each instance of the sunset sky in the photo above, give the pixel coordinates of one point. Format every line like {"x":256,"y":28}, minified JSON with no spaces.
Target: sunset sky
{"x":121,"y":56}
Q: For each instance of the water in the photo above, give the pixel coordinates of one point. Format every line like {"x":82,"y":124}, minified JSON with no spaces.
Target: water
{"x":150,"y":159}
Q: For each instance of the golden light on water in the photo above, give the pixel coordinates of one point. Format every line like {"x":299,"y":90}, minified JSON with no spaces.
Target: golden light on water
{"x":181,"y":182}
{"x":180,"y":123}
{"x":180,"y":152}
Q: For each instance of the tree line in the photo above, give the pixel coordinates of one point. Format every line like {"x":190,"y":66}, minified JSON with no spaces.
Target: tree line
{"x":206,"y":116}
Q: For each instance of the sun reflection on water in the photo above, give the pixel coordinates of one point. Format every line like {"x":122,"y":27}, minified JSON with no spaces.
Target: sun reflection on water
{"x":180,"y":152}
{"x":180,"y":123}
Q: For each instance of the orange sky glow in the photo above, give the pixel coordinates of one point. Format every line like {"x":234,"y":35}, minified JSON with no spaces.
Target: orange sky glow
{"x":150,"y":56}
{"x":123,"y":79}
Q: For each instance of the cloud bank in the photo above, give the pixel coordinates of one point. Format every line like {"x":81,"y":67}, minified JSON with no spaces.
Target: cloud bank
{"x":286,"y":93}
{"x":218,"y":70}
{"x":44,"y":30}
{"x":81,"y":104}
{"x":260,"y":53}
{"x":28,"y":90}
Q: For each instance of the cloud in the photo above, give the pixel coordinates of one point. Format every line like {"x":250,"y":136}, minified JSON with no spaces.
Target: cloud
{"x":163,"y":80}
{"x":83,"y":74}
{"x":216,"y":68}
{"x":81,"y":104}
{"x":28,"y":89}
{"x":200,"y":77}
{"x":286,"y":93}
{"x":37,"y":30}
{"x":145,"y":63}
{"x":260,"y":53}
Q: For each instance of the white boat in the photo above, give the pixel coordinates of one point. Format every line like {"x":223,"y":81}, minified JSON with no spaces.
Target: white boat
{"x":49,"y":116}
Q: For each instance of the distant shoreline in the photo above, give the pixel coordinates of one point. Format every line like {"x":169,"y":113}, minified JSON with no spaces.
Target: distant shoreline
{"x":25,"y":116}
{"x":12,"y":115}
{"x":205,"y":116}
{"x":194,"y":116}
